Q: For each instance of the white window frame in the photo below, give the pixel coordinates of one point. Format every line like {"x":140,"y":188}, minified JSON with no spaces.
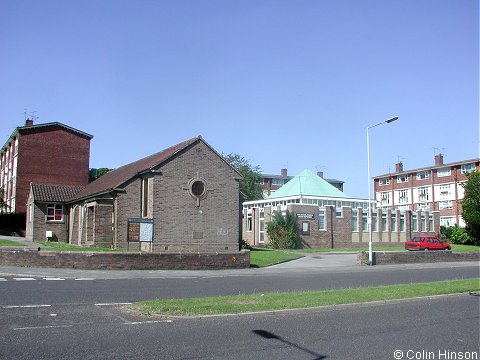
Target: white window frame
{"x":467,"y":168}
{"x":423,"y":175}
{"x":55,"y":207}
{"x":402,"y":179}
{"x":384,"y":181}
{"x":444,"y":172}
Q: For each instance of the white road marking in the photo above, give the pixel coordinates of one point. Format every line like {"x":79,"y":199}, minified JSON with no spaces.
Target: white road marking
{"x":24,"y":306}
{"x":147,"y":322}
{"x":24,"y":279}
{"x":84,"y":279}
{"x":42,"y":327}
{"x":113,"y":304}
{"x":53,"y":279}
{"x":3,"y":279}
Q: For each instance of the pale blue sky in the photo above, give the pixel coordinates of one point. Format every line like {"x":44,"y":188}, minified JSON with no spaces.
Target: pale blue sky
{"x":284,"y":83}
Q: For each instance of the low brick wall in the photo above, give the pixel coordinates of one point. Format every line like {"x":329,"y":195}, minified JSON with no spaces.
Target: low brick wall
{"x":125,"y":261}
{"x":410,"y":257}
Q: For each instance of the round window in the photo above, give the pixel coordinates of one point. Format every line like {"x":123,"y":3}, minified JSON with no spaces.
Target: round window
{"x":198,"y":188}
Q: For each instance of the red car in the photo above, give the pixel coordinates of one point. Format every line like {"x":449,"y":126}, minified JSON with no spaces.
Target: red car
{"x":426,"y":243}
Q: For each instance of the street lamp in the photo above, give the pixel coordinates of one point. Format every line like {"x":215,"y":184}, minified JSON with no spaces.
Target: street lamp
{"x":369,"y":222}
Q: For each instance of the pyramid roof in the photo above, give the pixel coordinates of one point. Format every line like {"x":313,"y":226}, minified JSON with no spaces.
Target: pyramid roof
{"x":308,"y":183}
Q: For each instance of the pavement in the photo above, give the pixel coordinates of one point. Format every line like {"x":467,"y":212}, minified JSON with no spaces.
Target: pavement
{"x":330,"y":262}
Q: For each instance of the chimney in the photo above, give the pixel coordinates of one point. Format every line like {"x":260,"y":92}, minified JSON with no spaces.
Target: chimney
{"x":283,"y":172}
{"x":28,"y":122}
{"x":399,"y":167}
{"x":439,"y":159}
{"x":320,"y":174}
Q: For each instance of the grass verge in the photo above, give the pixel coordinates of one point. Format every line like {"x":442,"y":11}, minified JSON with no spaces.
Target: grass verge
{"x":266,"y":257}
{"x":297,"y":300}
{"x":4,"y":242}
{"x":455,"y":248}
{"x":61,"y":246}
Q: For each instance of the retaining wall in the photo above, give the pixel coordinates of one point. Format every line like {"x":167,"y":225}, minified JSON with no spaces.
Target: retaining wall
{"x":409,"y":257}
{"x":125,"y":261}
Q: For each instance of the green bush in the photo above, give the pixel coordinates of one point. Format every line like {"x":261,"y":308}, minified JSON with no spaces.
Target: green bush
{"x":283,"y":231}
{"x":456,"y":235}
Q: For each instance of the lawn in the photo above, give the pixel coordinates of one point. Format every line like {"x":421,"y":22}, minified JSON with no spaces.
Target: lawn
{"x":296,"y":300}
{"x":455,"y":248}
{"x":267,"y":257}
{"x":4,"y":242}
{"x":61,"y":246}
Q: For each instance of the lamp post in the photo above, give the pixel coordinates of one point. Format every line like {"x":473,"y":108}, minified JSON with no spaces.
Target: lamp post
{"x":369,"y":222}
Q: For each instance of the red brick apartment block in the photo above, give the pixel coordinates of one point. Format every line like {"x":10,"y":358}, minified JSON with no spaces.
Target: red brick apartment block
{"x":50,"y":153}
{"x":432,"y":188}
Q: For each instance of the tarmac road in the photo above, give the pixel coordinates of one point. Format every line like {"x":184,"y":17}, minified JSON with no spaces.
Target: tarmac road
{"x":426,"y":328}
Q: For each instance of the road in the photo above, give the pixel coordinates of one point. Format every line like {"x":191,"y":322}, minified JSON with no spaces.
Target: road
{"x":418,"y":328}
{"x":77,"y":314}
{"x":23,"y":286}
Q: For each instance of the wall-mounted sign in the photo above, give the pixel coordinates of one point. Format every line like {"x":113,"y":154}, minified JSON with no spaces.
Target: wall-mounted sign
{"x":305,"y":216}
{"x":139,"y":229}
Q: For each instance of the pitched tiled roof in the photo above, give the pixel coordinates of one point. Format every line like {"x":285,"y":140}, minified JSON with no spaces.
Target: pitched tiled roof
{"x":115,"y":178}
{"x":307,"y":183}
{"x":54,"y":193}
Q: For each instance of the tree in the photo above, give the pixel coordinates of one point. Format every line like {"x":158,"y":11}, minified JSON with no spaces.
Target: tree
{"x":94,"y":174}
{"x":283,"y":230}
{"x":471,"y":206}
{"x":251,"y":175}
{"x":3,"y":205}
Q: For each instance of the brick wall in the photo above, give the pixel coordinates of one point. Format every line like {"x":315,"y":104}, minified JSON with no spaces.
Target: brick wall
{"x":338,"y":231}
{"x":126,"y":261}
{"x":179,"y":224}
{"x":406,"y":257}
{"x":53,"y":156}
{"x":38,"y":226}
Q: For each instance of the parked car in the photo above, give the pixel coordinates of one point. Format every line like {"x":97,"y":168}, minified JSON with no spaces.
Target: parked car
{"x":426,"y":243}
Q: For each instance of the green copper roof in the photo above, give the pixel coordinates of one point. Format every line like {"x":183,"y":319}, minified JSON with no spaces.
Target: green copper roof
{"x":307,"y":183}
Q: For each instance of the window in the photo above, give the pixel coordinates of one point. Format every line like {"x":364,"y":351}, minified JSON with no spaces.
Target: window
{"x":354,"y":219}
{"x":422,"y":207}
{"x":277,"y":182}
{"x":444,"y":172}
{"x":403,"y":196}
{"x":383,"y":181}
{"x":402,"y":178}
{"x":261,"y":226}
{"x":468,"y":168}
{"x":249,"y":221}
{"x":443,"y":205}
{"x":445,"y":191}
{"x":54,"y":212}
{"x":145,"y":190}
{"x":365,"y":221}
{"x":414,"y":222}
{"x":423,"y":224}
{"x":374,"y":222}
{"x":393,"y":221}
{"x":423,"y":194}
{"x":423,"y":175}
{"x":447,"y":221}
{"x":402,"y":222}
{"x":384,"y":221}
{"x":384,"y":199}
{"x":430,"y":223}
{"x":321,"y":219}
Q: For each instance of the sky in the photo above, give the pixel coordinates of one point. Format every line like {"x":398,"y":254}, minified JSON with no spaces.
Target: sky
{"x":286,"y":84}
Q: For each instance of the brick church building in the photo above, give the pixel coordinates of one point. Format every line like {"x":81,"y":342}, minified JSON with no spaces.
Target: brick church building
{"x":185,"y":198}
